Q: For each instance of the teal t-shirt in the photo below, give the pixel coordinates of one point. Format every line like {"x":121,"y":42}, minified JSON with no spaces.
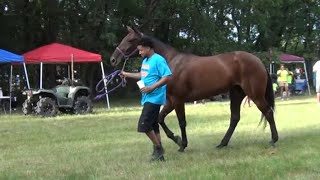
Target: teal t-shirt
{"x":152,"y":70}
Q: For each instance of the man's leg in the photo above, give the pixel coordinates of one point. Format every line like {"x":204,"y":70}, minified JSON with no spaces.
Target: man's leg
{"x":158,"y":136}
{"x":287,"y":90}
{"x":154,"y":137}
{"x":281,"y":91}
{"x":318,"y":98}
{"x":158,"y":150}
{"x":148,"y":123}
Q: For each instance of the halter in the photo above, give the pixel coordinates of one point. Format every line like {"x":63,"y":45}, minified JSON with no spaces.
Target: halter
{"x":126,"y":57}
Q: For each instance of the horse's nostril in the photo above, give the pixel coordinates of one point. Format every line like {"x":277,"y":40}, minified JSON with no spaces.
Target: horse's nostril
{"x":113,"y":60}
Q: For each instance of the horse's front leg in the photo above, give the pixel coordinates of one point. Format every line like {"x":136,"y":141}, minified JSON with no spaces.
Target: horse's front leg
{"x":180,"y":111}
{"x":164,"y":112}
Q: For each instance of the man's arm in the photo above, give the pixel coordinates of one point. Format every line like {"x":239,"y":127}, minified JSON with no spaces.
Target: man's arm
{"x":164,"y":80}
{"x":131,"y":75}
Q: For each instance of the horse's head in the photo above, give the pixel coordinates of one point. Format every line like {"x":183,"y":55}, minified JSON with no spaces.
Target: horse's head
{"x":128,"y":46}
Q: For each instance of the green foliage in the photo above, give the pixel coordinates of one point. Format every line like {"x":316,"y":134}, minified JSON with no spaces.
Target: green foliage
{"x":203,"y":27}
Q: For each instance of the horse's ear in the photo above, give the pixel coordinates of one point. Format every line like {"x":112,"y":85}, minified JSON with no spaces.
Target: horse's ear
{"x":129,"y":29}
{"x":137,"y":31}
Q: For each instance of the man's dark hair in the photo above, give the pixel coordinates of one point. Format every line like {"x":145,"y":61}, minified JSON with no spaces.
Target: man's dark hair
{"x":146,"y":42}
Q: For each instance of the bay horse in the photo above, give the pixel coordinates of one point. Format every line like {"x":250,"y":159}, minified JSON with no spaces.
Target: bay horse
{"x":195,"y":78}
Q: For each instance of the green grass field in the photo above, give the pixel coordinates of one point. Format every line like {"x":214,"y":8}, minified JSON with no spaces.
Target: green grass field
{"x":105,"y":145}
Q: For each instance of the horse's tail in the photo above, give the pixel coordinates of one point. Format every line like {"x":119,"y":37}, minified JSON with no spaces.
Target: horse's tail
{"x":269,"y":95}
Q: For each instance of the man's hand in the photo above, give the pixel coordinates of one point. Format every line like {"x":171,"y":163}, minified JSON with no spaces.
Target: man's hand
{"x":125,"y":74}
{"x":122,"y":74}
{"x":147,"y":89}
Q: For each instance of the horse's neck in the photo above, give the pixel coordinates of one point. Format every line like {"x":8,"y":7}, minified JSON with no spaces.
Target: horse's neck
{"x":169,"y":53}
{"x":165,"y":50}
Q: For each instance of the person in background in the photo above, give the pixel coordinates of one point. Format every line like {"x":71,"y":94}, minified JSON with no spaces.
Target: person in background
{"x":316,"y":69}
{"x":282,"y":74}
{"x":290,"y":85}
{"x":275,"y":87}
{"x":203,"y":101}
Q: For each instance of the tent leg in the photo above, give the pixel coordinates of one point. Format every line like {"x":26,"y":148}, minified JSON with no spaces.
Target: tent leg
{"x":26,"y":74}
{"x":270,"y":68}
{"x":307,"y":78}
{"x":41,"y":66}
{"x":69,"y":76}
{"x":105,"y":84}
{"x":10,"y":89}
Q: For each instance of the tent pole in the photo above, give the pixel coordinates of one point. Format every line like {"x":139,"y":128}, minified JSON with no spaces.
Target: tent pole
{"x":105,"y":84}
{"x":10,"y":89}
{"x":307,"y":78}
{"x":270,"y":68}
{"x":26,"y":74}
{"x":41,"y":65}
{"x":69,"y":77}
{"x":72,"y":70}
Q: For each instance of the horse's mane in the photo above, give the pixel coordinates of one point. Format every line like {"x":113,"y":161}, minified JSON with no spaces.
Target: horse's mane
{"x":168,"y":47}
{"x":158,"y":42}
{"x":164,"y":47}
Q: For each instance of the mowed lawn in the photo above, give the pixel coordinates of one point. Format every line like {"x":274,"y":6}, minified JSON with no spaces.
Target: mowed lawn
{"x":105,"y":145}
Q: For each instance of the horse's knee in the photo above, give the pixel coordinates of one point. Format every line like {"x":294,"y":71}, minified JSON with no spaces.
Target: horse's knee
{"x":171,"y":136}
{"x":161,"y":118}
{"x":235,"y":117}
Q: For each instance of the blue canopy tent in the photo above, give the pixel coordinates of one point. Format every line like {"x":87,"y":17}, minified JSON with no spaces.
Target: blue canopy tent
{"x":8,"y":57}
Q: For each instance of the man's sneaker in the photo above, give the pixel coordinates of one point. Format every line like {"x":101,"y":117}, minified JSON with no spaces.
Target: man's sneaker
{"x":157,"y":154}
{"x":154,"y":149}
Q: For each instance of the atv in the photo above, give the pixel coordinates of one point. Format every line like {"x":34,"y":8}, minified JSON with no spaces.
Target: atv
{"x":68,"y":97}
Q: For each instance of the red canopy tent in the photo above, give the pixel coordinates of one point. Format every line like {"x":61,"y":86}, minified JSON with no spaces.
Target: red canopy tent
{"x":288,"y":58}
{"x":58,"y":53}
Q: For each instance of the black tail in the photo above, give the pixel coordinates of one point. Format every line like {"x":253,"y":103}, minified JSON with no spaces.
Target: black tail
{"x":269,"y":92}
{"x":269,"y":97}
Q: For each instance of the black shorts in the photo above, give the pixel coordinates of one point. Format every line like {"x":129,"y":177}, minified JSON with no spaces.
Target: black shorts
{"x":149,"y":118}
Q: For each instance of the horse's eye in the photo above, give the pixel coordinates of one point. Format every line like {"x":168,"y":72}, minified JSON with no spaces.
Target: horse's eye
{"x":131,"y":40}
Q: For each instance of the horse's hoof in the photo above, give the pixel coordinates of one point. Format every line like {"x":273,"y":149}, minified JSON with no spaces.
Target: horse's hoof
{"x":181,"y":149}
{"x":220,"y":146}
{"x":178,"y":140}
{"x":272,"y":144}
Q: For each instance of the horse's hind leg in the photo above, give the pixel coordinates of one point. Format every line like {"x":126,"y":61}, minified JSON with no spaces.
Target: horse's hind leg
{"x":268,"y":112}
{"x":180,"y":111}
{"x":164,"y":112}
{"x":236,"y":97}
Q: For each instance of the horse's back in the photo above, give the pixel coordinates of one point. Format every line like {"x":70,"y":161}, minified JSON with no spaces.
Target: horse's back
{"x":232,"y":64}
{"x":201,"y":76}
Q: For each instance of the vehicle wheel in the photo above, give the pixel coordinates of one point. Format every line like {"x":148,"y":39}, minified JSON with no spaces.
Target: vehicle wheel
{"x":82,"y":105}
{"x":27,"y":107}
{"x":46,"y":107}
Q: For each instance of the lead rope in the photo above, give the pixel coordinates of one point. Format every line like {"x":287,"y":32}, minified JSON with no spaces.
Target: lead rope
{"x":109,"y":78}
